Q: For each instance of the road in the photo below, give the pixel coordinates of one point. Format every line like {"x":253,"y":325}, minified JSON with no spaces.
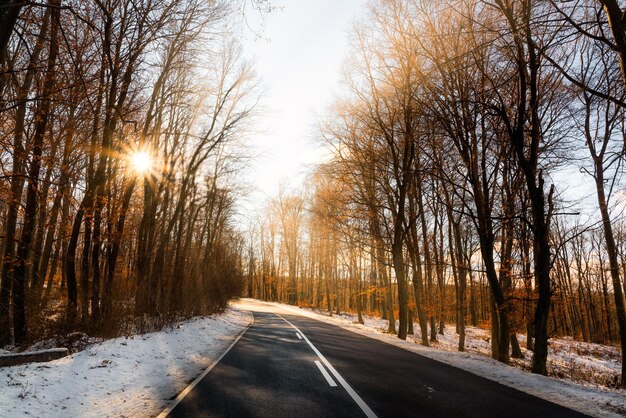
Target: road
{"x":287,"y":365}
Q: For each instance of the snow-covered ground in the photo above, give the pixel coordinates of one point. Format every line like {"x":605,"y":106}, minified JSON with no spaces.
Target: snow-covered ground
{"x":132,"y":377}
{"x":579,"y":363}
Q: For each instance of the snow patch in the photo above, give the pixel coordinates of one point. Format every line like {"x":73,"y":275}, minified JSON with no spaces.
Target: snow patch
{"x":129,"y":376}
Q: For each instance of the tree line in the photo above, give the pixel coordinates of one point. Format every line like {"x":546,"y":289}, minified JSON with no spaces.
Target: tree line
{"x":120,"y":128}
{"x":445,"y":198}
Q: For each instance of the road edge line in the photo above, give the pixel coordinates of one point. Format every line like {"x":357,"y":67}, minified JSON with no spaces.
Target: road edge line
{"x":193,"y":384}
{"x":355,"y":396}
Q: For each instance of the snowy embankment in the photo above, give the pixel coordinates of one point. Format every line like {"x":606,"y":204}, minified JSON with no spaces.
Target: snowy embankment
{"x":133,"y":377}
{"x":568,"y":359}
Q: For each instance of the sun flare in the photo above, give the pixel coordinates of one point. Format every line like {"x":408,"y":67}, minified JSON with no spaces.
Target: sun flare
{"x":141,"y":161}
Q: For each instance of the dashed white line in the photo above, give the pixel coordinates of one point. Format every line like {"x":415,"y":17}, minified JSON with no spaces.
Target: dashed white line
{"x":329,"y":379}
{"x":299,"y":336}
{"x":355,"y":396}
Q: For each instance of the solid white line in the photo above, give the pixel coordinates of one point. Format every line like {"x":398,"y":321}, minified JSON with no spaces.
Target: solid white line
{"x":355,"y":396}
{"x":193,"y":384}
{"x":299,"y":336}
{"x":329,"y":379}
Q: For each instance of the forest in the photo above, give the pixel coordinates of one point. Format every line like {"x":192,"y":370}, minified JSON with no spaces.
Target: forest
{"x":444,"y":199}
{"x":120,"y":134}
{"x":445,"y":196}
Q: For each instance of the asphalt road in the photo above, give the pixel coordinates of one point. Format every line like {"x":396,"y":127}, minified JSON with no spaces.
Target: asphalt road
{"x":272,"y":372}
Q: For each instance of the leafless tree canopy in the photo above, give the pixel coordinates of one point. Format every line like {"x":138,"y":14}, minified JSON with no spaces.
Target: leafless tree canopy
{"x":440,"y":202}
{"x":119,"y":129}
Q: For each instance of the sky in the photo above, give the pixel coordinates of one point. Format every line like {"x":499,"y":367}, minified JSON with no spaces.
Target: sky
{"x":298,"y":53}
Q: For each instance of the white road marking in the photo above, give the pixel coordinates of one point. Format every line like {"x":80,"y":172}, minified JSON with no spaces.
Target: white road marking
{"x":355,"y":396}
{"x":299,"y":336}
{"x":329,"y":379}
{"x":193,"y":384}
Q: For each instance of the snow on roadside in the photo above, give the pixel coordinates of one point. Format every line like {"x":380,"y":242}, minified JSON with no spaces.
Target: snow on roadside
{"x":132,"y":377}
{"x":592,"y":400}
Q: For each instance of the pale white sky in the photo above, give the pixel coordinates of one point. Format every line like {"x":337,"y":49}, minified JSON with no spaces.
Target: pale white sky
{"x":299,"y":58}
{"x":299,"y":55}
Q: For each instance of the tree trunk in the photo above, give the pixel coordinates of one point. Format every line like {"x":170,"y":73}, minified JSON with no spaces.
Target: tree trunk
{"x":17,"y":178}
{"x":9,"y":12}
{"x":30,"y":211}
{"x":611,"y":249}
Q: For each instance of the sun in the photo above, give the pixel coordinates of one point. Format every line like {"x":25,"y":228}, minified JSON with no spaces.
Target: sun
{"x":141,"y":161}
